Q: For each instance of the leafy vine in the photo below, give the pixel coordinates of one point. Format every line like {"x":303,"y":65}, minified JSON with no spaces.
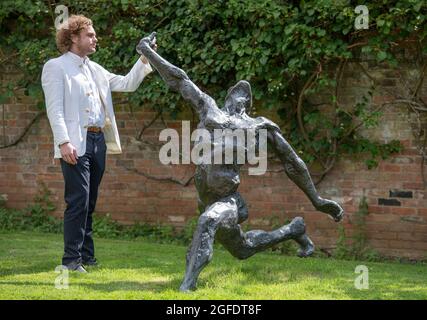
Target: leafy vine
{"x":290,"y":51}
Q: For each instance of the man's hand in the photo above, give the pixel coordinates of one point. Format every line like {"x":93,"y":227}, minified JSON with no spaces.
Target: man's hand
{"x":68,"y":153}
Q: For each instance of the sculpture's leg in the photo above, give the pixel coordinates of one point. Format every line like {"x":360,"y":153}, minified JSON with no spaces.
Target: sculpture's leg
{"x":201,"y":248}
{"x":297,"y":171}
{"x":243,"y":245}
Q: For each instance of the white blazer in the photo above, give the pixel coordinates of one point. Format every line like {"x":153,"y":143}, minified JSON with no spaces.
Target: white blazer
{"x":67,"y":103}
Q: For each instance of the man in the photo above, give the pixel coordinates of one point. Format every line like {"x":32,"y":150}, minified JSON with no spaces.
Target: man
{"x":80,"y":111}
{"x":222,"y":206}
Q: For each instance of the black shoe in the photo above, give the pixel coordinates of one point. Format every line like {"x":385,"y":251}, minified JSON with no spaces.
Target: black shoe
{"x":77,"y":267}
{"x":90,"y":262}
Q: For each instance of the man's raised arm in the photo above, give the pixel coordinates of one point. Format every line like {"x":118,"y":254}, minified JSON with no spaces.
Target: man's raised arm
{"x":175,"y":77}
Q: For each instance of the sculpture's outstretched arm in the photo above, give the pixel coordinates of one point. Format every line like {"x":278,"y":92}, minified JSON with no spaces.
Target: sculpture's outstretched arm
{"x":175,"y":77}
{"x":295,"y":168}
{"x":297,"y":171}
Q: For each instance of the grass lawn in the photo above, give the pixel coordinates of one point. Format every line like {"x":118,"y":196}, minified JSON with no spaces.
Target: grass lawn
{"x":145,"y":270}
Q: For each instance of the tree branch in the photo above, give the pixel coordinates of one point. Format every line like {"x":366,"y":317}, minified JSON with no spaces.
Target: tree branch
{"x":420,"y":81}
{"x":36,"y":118}
{"x":307,"y":86}
{"x":145,"y":126}
{"x":183,"y":183}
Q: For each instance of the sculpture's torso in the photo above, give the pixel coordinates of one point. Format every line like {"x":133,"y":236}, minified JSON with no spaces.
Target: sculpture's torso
{"x":216,"y":181}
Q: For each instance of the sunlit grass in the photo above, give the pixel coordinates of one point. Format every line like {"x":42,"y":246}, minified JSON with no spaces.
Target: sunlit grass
{"x":146,"y":270}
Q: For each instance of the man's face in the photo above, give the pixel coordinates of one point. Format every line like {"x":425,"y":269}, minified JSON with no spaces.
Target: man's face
{"x":86,"y":41}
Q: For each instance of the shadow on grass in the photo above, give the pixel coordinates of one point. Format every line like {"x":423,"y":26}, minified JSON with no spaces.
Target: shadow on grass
{"x":384,"y":285}
{"x":28,"y":269}
{"x":309,"y":278}
{"x":154,"y":286}
{"x":111,"y":286}
{"x":335,"y":277}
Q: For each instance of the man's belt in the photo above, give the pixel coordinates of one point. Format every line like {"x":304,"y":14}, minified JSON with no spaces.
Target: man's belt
{"x":94,"y":129}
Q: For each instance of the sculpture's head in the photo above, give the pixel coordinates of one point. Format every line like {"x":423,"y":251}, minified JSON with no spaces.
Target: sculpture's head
{"x":239,"y":98}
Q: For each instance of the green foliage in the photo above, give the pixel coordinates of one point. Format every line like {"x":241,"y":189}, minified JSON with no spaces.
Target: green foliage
{"x":3,"y":199}
{"x":41,"y":209}
{"x":35,"y":217}
{"x":158,"y":232}
{"x":12,"y":219}
{"x":375,"y":150}
{"x":106,"y":227}
{"x":188,"y":231}
{"x":276,"y":45}
{"x":357,"y":248}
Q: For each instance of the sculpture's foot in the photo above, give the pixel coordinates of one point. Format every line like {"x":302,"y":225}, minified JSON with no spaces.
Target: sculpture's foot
{"x":187,"y":286}
{"x":332,"y":208}
{"x":306,"y":246}
{"x":297,"y":226}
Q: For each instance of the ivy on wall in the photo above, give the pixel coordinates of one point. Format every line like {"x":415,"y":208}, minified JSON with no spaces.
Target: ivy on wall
{"x":288,"y":50}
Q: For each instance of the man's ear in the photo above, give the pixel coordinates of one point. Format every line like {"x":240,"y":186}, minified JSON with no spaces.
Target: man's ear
{"x":74,"y":38}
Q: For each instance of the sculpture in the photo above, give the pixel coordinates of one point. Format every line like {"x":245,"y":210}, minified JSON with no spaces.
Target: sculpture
{"x":222,"y":207}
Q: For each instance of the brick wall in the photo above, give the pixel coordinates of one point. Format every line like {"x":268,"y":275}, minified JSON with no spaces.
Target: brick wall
{"x":397,"y":220}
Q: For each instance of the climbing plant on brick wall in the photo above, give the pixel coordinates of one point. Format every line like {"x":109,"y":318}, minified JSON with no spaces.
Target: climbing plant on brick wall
{"x":288,"y":50}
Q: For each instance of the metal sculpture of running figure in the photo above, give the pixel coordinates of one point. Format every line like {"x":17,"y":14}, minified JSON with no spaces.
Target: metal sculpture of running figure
{"x":222,"y":207}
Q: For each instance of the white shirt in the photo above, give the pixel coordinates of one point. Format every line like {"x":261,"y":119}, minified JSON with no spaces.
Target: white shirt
{"x":96,"y":114}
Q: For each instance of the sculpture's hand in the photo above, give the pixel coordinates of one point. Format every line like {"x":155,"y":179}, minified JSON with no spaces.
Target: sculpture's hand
{"x":147,"y":42}
{"x":330,"y":207}
{"x":175,"y":78}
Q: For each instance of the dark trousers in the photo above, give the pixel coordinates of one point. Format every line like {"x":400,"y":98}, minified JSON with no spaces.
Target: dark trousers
{"x":81,"y":191}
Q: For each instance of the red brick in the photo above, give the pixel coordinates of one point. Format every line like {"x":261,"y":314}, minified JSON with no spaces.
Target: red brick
{"x":412,"y":236}
{"x":408,"y":244}
{"x":414,"y":186}
{"x":390,"y":167}
{"x":376,"y":209}
{"x":380,"y":243}
{"x":130,"y":197}
{"x":403,"y":211}
{"x":411,"y":169}
{"x":377,"y":227}
{"x":382,"y":235}
{"x":383,"y":218}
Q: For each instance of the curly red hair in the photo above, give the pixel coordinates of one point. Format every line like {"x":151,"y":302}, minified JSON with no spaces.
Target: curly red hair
{"x":74,"y":25}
